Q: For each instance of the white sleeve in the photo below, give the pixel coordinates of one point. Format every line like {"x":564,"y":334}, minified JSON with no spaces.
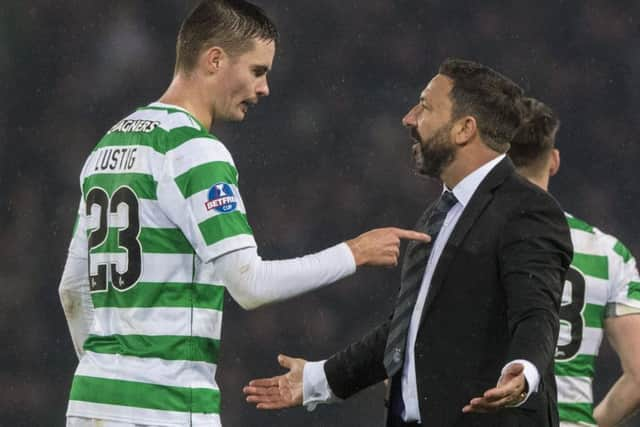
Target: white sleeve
{"x":315,"y":386}
{"x":624,"y":295}
{"x":253,"y":282}
{"x":74,"y":285}
{"x":531,"y":374}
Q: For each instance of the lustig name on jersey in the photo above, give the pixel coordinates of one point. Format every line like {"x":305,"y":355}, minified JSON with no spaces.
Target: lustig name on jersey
{"x":122,"y":158}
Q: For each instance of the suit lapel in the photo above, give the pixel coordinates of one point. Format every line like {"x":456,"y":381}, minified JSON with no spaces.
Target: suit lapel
{"x":478,"y":202}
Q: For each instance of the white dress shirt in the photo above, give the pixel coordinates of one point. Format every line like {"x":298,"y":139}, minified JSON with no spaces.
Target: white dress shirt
{"x":315,"y":385}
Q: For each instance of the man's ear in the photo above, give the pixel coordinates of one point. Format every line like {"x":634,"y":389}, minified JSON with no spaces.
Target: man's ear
{"x":554,"y":162}
{"x":464,"y":130}
{"x":211,"y":58}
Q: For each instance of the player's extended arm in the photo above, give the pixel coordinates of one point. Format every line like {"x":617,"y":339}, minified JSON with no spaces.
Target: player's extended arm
{"x":74,"y":287}
{"x":624,"y":397}
{"x":253,"y":282}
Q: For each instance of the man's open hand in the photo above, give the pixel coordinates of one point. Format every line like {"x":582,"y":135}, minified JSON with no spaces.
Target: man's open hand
{"x":283,"y":391}
{"x":510,"y":391}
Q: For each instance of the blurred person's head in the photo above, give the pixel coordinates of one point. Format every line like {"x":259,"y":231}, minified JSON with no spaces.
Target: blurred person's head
{"x":533,"y":149}
{"x":224,"y":50}
{"x":467,"y":115}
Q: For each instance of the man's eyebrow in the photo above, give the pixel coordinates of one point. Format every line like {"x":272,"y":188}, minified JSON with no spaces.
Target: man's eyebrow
{"x":261,"y":68}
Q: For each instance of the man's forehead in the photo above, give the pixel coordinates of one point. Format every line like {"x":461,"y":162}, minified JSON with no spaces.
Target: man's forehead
{"x":439,"y":85}
{"x":261,"y":52}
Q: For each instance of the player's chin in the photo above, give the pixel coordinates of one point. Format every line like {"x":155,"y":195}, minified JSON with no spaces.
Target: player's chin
{"x":239,"y":115}
{"x":234,"y":117}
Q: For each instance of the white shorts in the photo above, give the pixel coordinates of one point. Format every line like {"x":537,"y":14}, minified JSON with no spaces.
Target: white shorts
{"x":92,"y":422}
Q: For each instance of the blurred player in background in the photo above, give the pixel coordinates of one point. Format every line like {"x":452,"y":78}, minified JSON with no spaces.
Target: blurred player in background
{"x":162,"y":232}
{"x":601,"y":294}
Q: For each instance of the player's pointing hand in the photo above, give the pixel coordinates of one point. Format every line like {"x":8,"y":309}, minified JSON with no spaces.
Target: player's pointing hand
{"x":381,"y":246}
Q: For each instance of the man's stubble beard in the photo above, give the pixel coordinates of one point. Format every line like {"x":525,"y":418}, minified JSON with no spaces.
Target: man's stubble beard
{"x":432,"y":156}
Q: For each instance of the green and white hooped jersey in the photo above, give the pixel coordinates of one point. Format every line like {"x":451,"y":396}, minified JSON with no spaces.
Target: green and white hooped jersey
{"x":160,"y":199}
{"x":602,"y":281}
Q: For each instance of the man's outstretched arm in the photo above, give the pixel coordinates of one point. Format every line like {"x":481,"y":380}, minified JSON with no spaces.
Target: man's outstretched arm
{"x":281,"y":391}
{"x":535,"y":253}
{"x":344,"y":374}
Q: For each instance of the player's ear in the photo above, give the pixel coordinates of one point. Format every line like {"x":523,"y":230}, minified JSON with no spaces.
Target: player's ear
{"x":554,"y":161}
{"x":464,"y":130}
{"x":211,"y":58}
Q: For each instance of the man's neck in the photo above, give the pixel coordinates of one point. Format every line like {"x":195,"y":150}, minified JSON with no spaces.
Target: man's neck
{"x":465,"y":163}
{"x":538,"y":178}
{"x":186,"y":93}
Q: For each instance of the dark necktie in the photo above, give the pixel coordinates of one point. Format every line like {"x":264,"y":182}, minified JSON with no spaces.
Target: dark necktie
{"x":416,"y":263}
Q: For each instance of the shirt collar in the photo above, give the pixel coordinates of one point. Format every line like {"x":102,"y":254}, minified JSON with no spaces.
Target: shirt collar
{"x":158,"y":104}
{"x":469,"y":184}
{"x":165,"y":105}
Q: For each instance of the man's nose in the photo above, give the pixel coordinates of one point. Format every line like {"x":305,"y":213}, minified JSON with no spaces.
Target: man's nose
{"x":409,"y":120}
{"x":263,"y":88}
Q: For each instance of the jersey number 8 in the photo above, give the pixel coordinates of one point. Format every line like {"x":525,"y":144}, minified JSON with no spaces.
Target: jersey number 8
{"x":571,"y":314}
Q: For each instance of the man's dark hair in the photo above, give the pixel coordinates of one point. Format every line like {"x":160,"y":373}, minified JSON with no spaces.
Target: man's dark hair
{"x":487,"y":95}
{"x":537,"y":134}
{"x":230,"y":24}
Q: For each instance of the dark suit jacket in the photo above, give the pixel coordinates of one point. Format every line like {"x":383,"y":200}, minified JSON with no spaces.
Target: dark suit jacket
{"x":494,"y":297}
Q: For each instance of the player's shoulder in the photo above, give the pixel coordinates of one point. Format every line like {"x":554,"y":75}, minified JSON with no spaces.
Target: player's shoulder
{"x":590,"y":239}
{"x":160,"y":126}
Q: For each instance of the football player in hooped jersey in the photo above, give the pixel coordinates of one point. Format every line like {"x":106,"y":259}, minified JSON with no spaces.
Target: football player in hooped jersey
{"x":601,"y":294}
{"x":162,"y":231}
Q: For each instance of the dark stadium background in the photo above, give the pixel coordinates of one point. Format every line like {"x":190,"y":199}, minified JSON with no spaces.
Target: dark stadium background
{"x":322,"y":159}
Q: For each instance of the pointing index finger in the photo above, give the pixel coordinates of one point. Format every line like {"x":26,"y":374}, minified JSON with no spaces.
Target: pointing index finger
{"x":412,"y":235}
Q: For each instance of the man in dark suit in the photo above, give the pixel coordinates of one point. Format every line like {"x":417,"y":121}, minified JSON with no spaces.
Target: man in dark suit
{"x":480,"y":302}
